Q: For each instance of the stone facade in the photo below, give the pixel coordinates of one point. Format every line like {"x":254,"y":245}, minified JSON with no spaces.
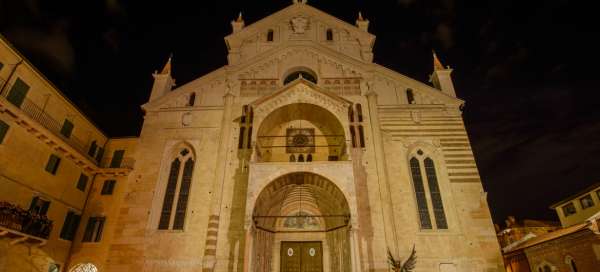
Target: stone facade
{"x":222,"y":176}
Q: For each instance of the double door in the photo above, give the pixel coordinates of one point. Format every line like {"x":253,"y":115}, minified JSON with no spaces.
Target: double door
{"x":301,"y":257}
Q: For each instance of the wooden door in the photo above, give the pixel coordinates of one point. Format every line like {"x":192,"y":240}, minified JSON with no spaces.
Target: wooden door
{"x":301,"y":257}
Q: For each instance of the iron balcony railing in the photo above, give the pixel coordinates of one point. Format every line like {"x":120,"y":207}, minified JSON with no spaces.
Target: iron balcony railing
{"x":38,"y":114}
{"x":18,"y":219}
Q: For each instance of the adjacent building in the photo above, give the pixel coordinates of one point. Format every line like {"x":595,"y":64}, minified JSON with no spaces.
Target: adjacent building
{"x":300,"y":154}
{"x":574,"y":247}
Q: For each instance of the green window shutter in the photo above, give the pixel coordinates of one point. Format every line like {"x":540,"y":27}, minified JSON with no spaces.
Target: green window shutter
{"x":17,"y":93}
{"x":3,"y":130}
{"x":67,"y":128}
{"x":52,"y":165}
{"x":117,"y":159}
{"x":82,"y":182}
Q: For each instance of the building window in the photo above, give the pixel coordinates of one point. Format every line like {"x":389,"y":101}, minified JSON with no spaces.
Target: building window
{"x":3,"y":130}
{"x":17,"y":93}
{"x":422,"y":207}
{"x":82,"y":182}
{"x":359,"y":112}
{"x":586,"y":201}
{"x":292,"y":158}
{"x":192,"y":99}
{"x":52,"y":165}
{"x":270,"y":35}
{"x":241,"y":138}
{"x":39,"y":206}
{"x":93,"y":148}
{"x":1,"y":65}
{"x":361,"y":136}
{"x":436,"y":197}
{"x":309,"y":158}
{"x":70,"y":226}
{"x":353,"y":136}
{"x":410,"y":96}
{"x":572,"y":265}
{"x":99,"y":154}
{"x":297,"y":74}
{"x":108,"y":187}
{"x":93,"y":230}
{"x":117,"y":158}
{"x":67,"y":128}
{"x":329,"y":35}
{"x":300,"y":158}
{"x":569,"y":209}
{"x":176,"y":221}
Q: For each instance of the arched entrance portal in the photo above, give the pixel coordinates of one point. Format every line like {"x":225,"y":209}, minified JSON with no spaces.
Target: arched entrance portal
{"x":301,"y":223}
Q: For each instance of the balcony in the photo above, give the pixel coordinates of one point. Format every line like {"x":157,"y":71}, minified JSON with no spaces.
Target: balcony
{"x":21,"y":225}
{"x":37,"y":114}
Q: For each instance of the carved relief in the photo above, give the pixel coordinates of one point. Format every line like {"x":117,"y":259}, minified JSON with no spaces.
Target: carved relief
{"x":299,"y":24}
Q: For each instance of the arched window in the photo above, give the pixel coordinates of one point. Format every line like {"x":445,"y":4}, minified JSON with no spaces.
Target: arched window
{"x":410,"y":96}
{"x":436,"y":197}
{"x":300,"y":158}
{"x":353,"y":136}
{"x":168,"y":219}
{"x":295,"y":75}
{"x":192,"y":99}
{"x":361,"y":136}
{"x":359,"y":112}
{"x":309,"y":158}
{"x":329,"y":34}
{"x":571,"y":263}
{"x":270,"y":35}
{"x":84,"y":267}
{"x":292,"y":158}
{"x":422,"y":207}
{"x":350,"y":114}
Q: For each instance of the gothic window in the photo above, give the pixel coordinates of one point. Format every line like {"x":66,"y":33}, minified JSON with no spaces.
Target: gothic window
{"x":436,"y":197}
{"x":329,"y":34}
{"x":422,"y":207}
{"x":359,"y":112}
{"x":270,"y":35}
{"x":361,"y":136}
{"x":353,"y":136}
{"x":241,"y":138}
{"x":192,"y":99}
{"x":350,"y":114}
{"x":173,"y":199}
{"x":249,"y":143}
{"x":410,"y":96}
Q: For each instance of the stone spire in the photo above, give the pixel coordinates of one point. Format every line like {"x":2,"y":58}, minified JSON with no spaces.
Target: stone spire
{"x":441,"y":78}
{"x":238,"y":23}
{"x":362,"y":23}
{"x":163,"y":82}
{"x":167,"y":68}
{"x":437,"y":64}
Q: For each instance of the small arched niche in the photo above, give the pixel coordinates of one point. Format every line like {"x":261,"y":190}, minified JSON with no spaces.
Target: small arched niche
{"x":301,"y":129}
{"x":298,"y":72}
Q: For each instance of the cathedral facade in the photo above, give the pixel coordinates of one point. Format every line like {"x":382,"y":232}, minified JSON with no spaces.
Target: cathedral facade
{"x":300,"y":154}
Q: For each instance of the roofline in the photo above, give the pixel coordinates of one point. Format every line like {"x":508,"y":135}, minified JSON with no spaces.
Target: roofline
{"x":584,"y":227}
{"x":50,"y":83}
{"x":576,"y":195}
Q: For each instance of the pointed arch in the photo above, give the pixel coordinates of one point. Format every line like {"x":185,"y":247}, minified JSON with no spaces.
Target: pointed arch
{"x":175,"y":200}
{"x":422,"y":206}
{"x":435,"y":194}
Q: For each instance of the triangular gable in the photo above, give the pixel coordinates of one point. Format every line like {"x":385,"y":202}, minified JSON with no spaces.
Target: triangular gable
{"x":288,"y":13}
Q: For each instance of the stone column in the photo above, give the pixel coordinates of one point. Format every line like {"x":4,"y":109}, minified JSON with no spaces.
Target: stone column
{"x":354,"y":250}
{"x":212,"y":233}
{"x":382,"y":177}
{"x":248,"y":249}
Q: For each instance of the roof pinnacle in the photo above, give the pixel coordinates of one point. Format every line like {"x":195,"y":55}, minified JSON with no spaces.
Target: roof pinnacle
{"x":167,"y":68}
{"x":437,"y":64}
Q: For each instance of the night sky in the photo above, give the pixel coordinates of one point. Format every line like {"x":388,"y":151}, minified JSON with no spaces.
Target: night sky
{"x":525,"y":69}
